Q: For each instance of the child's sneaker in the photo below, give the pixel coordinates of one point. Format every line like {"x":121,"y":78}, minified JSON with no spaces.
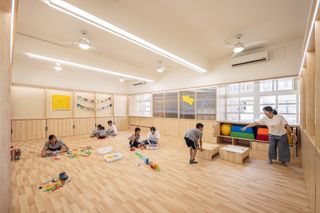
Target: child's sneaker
{"x":193,"y":162}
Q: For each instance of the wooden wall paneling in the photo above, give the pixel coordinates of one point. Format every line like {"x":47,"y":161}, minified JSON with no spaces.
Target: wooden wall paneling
{"x":317,"y":182}
{"x":308,"y":165}
{"x":310,"y":98}
{"x":8,"y":25}
{"x":24,"y":130}
{"x":122,"y":123}
{"x":317,"y":83}
{"x":160,"y":125}
{"x":302,"y":102}
{"x":83,"y":126}
{"x":60,"y":127}
{"x":172,"y":126}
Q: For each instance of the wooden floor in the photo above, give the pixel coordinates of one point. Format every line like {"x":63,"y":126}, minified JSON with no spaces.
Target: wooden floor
{"x":130,"y":186}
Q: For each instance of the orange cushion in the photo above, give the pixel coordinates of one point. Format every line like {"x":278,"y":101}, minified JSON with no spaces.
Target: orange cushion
{"x":263,"y":131}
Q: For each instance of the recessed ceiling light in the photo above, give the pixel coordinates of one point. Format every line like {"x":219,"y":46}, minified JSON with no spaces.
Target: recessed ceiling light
{"x":82,"y":66}
{"x":238,"y":47}
{"x":84,"y":44}
{"x":121,"y":80}
{"x":57,"y":67}
{"x":106,"y":26}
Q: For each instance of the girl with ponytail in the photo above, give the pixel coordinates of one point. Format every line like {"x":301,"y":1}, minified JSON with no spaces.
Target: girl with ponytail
{"x":278,"y":139}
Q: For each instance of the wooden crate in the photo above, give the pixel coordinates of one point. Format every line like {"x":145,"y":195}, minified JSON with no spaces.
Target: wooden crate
{"x":234,"y":153}
{"x":209,"y":150}
{"x":259,"y":146}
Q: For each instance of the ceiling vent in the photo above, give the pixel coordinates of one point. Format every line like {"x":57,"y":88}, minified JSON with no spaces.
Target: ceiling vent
{"x":250,"y":58}
{"x":139,"y":83}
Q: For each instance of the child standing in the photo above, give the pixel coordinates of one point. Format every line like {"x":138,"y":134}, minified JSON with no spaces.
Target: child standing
{"x":192,"y":137}
{"x":111,"y":129}
{"x":134,"y":139}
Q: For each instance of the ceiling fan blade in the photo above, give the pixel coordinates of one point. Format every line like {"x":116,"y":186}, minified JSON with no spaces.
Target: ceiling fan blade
{"x":255,"y":44}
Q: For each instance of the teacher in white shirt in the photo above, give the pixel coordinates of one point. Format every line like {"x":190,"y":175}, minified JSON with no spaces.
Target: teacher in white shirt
{"x":278,"y":138}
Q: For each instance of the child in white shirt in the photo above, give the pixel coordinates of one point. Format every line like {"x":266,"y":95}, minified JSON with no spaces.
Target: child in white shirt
{"x":111,"y":129}
{"x":153,"y":137}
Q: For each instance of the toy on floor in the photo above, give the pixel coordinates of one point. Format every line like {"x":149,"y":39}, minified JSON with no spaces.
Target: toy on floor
{"x":83,"y":152}
{"x":54,"y":183}
{"x":152,"y":146}
{"x":146,"y":161}
{"x":15,"y":153}
{"x":113,"y":157}
{"x":132,"y":149}
{"x":104,"y":150}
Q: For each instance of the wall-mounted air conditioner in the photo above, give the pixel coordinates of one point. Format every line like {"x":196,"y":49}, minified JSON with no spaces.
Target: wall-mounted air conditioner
{"x":250,"y":58}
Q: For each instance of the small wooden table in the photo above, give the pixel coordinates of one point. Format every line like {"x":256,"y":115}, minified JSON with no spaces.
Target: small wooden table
{"x":209,"y":150}
{"x":234,"y":153}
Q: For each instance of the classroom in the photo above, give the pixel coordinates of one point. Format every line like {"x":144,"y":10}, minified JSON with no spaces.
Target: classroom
{"x":160,"y":106}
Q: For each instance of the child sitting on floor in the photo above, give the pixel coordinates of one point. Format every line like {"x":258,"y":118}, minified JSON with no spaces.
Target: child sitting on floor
{"x":153,"y":137}
{"x":111,"y":129}
{"x":53,"y":147}
{"x":134,"y":139}
{"x":102,"y":133}
{"x":96,"y":131}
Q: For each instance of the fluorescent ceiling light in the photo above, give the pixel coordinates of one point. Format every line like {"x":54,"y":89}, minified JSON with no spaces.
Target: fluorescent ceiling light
{"x":106,"y":26}
{"x":238,"y":47}
{"x":121,"y":80}
{"x":96,"y":69}
{"x":309,"y":36}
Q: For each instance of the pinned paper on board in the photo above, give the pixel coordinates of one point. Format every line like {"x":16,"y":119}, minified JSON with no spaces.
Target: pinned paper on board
{"x":187,"y":99}
{"x":60,"y":102}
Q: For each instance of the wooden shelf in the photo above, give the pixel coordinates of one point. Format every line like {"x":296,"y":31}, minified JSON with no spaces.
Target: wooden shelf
{"x":245,"y":139}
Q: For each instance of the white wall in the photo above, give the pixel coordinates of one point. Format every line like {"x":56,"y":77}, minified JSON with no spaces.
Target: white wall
{"x":285,"y":61}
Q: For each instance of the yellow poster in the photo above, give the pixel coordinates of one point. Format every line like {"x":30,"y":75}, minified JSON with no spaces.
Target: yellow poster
{"x":187,"y":99}
{"x":60,"y":102}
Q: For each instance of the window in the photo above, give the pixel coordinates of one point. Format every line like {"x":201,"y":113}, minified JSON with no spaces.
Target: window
{"x":187,"y":104}
{"x":266,"y":86}
{"x":158,"y":105}
{"x":244,"y":102}
{"x":285,"y":84}
{"x":171,"y":105}
{"x":140,"y":105}
{"x":206,"y":103}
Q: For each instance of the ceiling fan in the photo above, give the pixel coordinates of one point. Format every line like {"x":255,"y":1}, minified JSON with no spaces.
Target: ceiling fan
{"x":239,"y":47}
{"x":161,"y":68}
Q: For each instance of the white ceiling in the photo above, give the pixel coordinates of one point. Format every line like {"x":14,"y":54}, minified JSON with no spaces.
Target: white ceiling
{"x":192,"y":29}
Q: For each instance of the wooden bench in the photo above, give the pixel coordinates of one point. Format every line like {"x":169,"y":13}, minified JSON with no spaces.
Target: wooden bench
{"x":209,"y":150}
{"x":234,"y":153}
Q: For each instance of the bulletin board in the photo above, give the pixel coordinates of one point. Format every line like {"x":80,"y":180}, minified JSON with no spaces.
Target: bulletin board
{"x":59,"y":104}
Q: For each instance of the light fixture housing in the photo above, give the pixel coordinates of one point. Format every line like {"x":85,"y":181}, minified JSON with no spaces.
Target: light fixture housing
{"x":57,"y":67}
{"x":160,"y":69}
{"x":121,"y":80}
{"x":86,"y":67}
{"x":82,"y":15}
{"x":84,"y":44}
{"x":238,"y":47}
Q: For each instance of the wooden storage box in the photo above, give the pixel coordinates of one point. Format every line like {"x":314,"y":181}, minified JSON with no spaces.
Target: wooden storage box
{"x":234,"y":153}
{"x":209,"y":150}
{"x":259,"y":146}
